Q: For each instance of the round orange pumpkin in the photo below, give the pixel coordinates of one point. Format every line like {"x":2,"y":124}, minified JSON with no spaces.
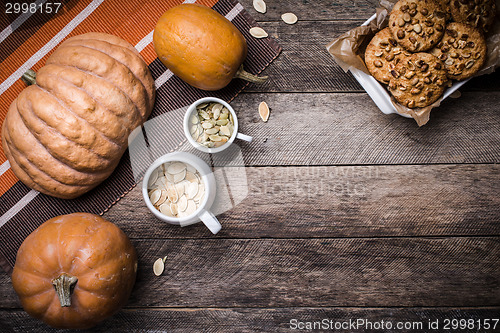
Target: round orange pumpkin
{"x":74,"y":271}
{"x":201,"y":47}
{"x":65,"y":133}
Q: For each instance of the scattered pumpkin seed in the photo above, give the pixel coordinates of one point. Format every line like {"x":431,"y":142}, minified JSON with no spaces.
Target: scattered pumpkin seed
{"x":258,"y":32}
{"x":158,"y":266}
{"x":260,"y":6}
{"x":289,"y":18}
{"x":264,"y":111}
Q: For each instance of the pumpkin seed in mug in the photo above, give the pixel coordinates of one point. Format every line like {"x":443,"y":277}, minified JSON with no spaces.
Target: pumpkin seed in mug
{"x":176,"y":189}
{"x":212,"y":125}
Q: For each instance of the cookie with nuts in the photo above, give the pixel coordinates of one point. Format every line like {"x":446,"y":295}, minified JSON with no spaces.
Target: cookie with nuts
{"x":478,"y":13}
{"x":446,"y":5}
{"x":382,"y":55}
{"x":462,"y":50}
{"x":417,"y":25}
{"x":418,"y":81}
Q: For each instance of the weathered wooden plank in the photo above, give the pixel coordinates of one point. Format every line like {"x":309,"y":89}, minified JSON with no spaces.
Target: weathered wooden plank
{"x":345,"y":272}
{"x":319,"y":129}
{"x":315,"y":10}
{"x":344,"y":201}
{"x":306,"y":66}
{"x":246,"y":320}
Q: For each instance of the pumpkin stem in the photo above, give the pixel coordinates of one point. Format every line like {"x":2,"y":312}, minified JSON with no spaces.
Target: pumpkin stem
{"x":244,"y":75}
{"x":29,"y":77}
{"x":64,"y":285}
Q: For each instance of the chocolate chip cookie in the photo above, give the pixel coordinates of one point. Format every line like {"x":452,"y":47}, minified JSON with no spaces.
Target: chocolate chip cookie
{"x":382,"y":55}
{"x":418,"y":81}
{"x":417,"y":25}
{"x":478,"y":13}
{"x":446,"y":5}
{"x":462,"y":50}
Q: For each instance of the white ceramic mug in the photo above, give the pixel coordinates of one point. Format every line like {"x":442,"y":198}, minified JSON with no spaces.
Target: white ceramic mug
{"x":202,"y":213}
{"x":192,"y":109}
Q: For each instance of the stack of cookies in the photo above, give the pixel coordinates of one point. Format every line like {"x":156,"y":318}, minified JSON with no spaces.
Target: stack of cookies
{"x":427,"y":44}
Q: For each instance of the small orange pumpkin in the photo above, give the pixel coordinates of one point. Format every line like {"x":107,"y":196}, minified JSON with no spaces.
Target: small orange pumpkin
{"x":201,"y":47}
{"x":74,"y":271}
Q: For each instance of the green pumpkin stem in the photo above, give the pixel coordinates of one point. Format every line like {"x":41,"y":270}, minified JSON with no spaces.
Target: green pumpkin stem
{"x":29,"y":77}
{"x":64,"y":286}
{"x":244,"y":75}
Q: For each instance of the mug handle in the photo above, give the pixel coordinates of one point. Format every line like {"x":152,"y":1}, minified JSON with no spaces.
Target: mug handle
{"x":210,"y":221}
{"x":247,"y":138}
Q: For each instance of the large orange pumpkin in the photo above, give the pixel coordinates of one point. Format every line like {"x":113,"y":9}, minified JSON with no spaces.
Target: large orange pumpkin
{"x":74,"y":271}
{"x":201,"y":47}
{"x":65,"y":133}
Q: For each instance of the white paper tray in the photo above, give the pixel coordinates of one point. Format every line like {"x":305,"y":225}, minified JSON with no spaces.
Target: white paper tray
{"x":380,"y":95}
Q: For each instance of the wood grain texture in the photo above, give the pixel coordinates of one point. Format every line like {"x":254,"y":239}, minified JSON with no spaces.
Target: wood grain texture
{"x":314,"y":10}
{"x":306,"y":66}
{"x":343,"y":201}
{"x":327,"y":129}
{"x":372,"y":272}
{"x":258,"y":320}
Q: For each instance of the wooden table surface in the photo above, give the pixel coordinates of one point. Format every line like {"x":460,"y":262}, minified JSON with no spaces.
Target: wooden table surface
{"x":351,"y":214}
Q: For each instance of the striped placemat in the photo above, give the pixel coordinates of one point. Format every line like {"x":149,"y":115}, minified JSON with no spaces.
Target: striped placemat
{"x":26,"y":40}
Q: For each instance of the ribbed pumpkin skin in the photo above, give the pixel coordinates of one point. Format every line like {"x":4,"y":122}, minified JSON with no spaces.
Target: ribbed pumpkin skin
{"x":87,"y":247}
{"x":199,"y":45}
{"x":66,"y":134}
